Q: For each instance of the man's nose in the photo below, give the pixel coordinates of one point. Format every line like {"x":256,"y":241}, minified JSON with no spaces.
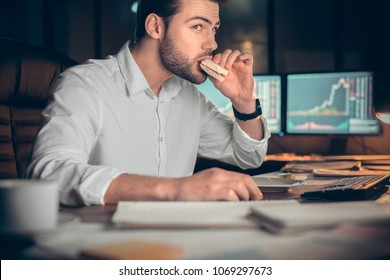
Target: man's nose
{"x":211,"y":44}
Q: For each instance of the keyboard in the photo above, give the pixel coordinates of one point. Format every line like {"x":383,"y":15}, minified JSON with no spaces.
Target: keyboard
{"x":350,"y":188}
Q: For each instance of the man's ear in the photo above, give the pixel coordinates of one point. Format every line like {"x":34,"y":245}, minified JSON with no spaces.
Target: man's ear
{"x":154,"y":26}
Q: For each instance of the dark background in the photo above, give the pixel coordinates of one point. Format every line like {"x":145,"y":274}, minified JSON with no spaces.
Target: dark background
{"x":284,"y":36}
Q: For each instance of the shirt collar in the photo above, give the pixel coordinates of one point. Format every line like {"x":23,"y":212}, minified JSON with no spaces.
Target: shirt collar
{"x":135,"y":80}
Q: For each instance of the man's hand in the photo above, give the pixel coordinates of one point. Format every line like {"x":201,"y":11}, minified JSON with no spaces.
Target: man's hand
{"x":218,"y":184}
{"x":238,"y":85}
{"x":210,"y":184}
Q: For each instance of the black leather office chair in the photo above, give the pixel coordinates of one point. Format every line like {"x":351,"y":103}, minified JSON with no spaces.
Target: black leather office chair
{"x":26,"y":73}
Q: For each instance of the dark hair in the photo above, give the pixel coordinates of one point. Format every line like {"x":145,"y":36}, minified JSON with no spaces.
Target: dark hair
{"x":165,"y":9}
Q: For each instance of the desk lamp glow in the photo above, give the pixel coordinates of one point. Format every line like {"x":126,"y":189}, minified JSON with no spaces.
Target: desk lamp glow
{"x":382,"y":108}
{"x":384,"y":117}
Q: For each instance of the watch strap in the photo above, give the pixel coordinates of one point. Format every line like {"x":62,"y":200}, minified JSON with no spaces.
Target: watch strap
{"x":247,"y":117}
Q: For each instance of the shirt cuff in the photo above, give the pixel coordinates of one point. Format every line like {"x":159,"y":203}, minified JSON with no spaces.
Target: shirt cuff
{"x":248,"y":143}
{"x":97,"y":185}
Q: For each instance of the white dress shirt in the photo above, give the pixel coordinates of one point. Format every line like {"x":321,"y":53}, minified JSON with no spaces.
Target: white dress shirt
{"x":104,"y":120}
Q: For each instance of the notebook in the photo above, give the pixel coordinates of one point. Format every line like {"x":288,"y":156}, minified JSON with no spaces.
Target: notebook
{"x":191,"y":214}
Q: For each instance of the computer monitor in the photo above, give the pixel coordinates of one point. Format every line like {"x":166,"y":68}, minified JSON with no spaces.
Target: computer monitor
{"x":267,"y":88}
{"x":331,"y":103}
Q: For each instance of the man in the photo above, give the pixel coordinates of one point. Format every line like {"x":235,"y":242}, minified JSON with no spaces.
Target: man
{"x":130,"y":127}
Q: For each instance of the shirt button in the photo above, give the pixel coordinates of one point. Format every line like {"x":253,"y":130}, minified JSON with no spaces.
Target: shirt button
{"x":161,"y":139}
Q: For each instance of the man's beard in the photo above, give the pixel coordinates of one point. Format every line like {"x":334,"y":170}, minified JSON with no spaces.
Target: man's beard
{"x":177,"y":63}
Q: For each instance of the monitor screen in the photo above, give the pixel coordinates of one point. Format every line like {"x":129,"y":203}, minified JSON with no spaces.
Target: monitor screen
{"x":331,"y":103}
{"x":267,"y":88}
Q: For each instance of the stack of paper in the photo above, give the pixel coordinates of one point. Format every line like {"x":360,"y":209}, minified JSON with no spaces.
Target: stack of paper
{"x":347,"y":173}
{"x":377,"y":164}
{"x":309,"y":216}
{"x":308,"y":167}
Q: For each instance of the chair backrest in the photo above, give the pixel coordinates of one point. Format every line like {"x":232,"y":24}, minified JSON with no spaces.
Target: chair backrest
{"x":26,"y":74}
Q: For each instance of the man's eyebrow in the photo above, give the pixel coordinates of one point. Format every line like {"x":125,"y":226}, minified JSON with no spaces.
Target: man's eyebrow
{"x":203,"y":19}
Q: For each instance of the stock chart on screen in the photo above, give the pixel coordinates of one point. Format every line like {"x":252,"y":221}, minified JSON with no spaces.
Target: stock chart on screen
{"x":267,"y":88}
{"x":331,"y":103}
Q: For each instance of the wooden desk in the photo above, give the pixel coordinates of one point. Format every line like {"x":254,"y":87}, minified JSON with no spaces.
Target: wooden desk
{"x":91,"y":227}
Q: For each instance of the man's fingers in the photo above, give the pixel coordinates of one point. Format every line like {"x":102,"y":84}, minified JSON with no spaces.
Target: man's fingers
{"x":221,"y":59}
{"x":245,"y":188}
{"x":219,"y":184}
{"x":246,"y":58}
{"x":253,"y":189}
{"x":232,"y":58}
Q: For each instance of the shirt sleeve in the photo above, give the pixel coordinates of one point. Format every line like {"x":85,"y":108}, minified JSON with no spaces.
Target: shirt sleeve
{"x":222,"y":139}
{"x":256,"y":149}
{"x":71,"y":124}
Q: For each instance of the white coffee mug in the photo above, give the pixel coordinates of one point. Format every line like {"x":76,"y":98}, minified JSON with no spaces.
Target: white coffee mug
{"x":28,"y":206}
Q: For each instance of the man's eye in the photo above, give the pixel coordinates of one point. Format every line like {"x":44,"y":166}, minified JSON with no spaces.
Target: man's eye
{"x":215,"y":30}
{"x":197,"y":27}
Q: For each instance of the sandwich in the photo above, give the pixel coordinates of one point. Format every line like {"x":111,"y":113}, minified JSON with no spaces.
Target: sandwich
{"x":214,"y":70}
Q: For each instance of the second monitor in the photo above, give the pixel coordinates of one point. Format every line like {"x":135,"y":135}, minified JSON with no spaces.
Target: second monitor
{"x":267,"y":88}
{"x":331,"y":103}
